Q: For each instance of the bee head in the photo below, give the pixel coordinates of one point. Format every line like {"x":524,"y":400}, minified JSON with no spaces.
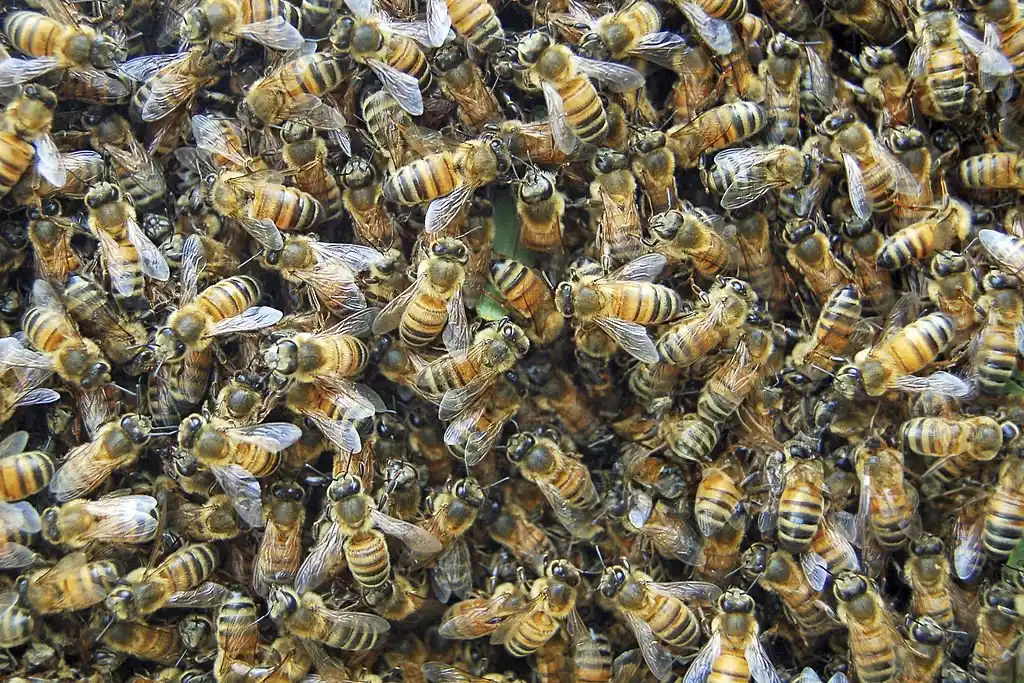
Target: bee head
{"x":97,"y":375}
{"x":564,"y":295}
{"x":195,"y":25}
{"x":736,"y":601}
{"x":755,"y":558}
{"x":344,"y":487}
{"x":927,"y":544}
{"x":283,"y":602}
{"x":283,"y":357}
{"x":665,"y":226}
{"x":449,"y":56}
{"x":469,"y":491}
{"x":189,"y":430}
{"x":105,"y":53}
{"x":168,"y":345}
{"x":564,"y":571}
{"x":287,"y":490}
{"x":341,"y":34}
{"x":514,"y":336}
{"x":613,"y":579}
{"x":50,"y":526}
{"x":120,"y":602}
{"x":836,"y":122}
{"x":849,"y":586}
{"x":925,"y":630}
{"x":519,"y":447}
{"x":502,"y":156}
{"x":101,"y":195}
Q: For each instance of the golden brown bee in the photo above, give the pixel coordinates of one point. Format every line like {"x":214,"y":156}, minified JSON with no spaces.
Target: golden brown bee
{"x":120,"y":519}
{"x":73,"y":583}
{"x":735,"y":379}
{"x":797,"y":480}
{"x":861,"y":244}
{"x":998,"y":635}
{"x":144,"y":591}
{"x":271,"y":23}
{"x":50,"y":234}
{"x":305,"y":616}
{"x":995,"y":351}
{"x":1002,"y":527}
{"x":161,"y":644}
{"x":809,"y":253}
{"x":17,"y":624}
{"x":22,"y":473}
{"x":614,"y":217}
{"x":928,"y":573}
{"x":713,"y":130}
{"x":781,"y":72}
{"x":305,"y":154}
{"x":877,"y":22}
{"x":481,"y":616}
{"x":330,"y":357}
{"x":887,"y":83}
{"x":540,"y":207}
{"x":475,"y":22}
{"x":19,"y":524}
{"x":530,"y":297}
{"x":122,"y":340}
{"x":452,"y":511}
{"x":137,"y":174}
{"x":697,"y":86}
{"x":734,"y":653}
{"x":280,"y":552}
{"x":528,"y":542}
{"x":534,"y":141}
{"x":920,"y":240}
{"x":213,"y":520}
{"x":327,"y":270}
{"x":25,"y":132}
{"x":687,"y":436}
{"x":363,"y":198}
{"x":714,"y":324}
{"x":657,"y":613}
{"x":262,"y":206}
{"x":875,"y":646}
{"x":293,"y":92}
{"x":114,"y":445}
{"x":979,"y":437}
{"x":888,"y":503}
{"x":742,"y":176}
{"x":462,"y":82}
{"x":398,"y":599}
{"x":719,"y":497}
{"x":653,"y":165}
{"x":833,"y":335}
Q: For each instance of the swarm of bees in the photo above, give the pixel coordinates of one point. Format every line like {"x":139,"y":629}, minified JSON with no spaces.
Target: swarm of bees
{"x":547,"y":340}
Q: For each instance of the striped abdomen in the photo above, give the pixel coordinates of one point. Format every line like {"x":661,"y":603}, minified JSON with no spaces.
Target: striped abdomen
{"x":289,"y":208}
{"x":49,"y":331}
{"x":877,"y":183}
{"x":316,"y":74}
{"x":891,"y":512}
{"x":532,"y":634}
{"x":874,"y":655}
{"x":718,"y":497}
{"x":423,"y":180}
{"x":255,"y":459}
{"x":947,"y":89}
{"x":253,"y":11}
{"x":671,"y":620}
{"x":1004,"y":522}
{"x":424,"y":319}
{"x":583,"y":109}
{"x":16,"y":156}
{"x":476,"y":21}
{"x":727,"y":10}
{"x":368,"y":558}
{"x":730,"y":667}
{"x":800,"y":508}
{"x":237,"y":634}
{"x":188,"y":567}
{"x":920,"y":342}
{"x":35,"y":34}
{"x":992,"y":171}
{"x":932,"y":600}
{"x":24,"y":474}
{"x":914,"y":243}
{"x":996,"y":358}
{"x":228,"y":298}
{"x":572,"y":480}
{"x":1011,"y":33}
{"x":642,"y":302}
{"x":16,"y":627}
{"x":406,"y":56}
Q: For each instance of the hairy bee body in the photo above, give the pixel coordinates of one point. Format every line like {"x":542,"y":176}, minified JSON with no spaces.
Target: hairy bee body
{"x":540,"y":207}
{"x":992,"y":171}
{"x":688,"y":437}
{"x":88,"y":305}
{"x":220,"y":301}
{"x":980,"y":437}
{"x":160,"y":644}
{"x":307,"y":153}
{"x":1004,"y":517}
{"x":143,"y":592}
{"x":441,"y":173}
{"x":24,"y":474}
{"x":801,"y":504}
{"x":947,"y":93}
{"x":17,"y":158}
{"x":76,"y":358}
{"x":718,"y":500}
{"x":783,"y":575}
{"x":271,"y":98}
{"x":463,"y":82}
{"x":530,"y":297}
{"x":478,"y":23}
{"x":928,"y":573}
{"x":873,"y":641}
{"x":715,"y":129}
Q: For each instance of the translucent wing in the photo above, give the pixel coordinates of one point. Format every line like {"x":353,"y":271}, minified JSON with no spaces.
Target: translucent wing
{"x":80,"y":473}
{"x":863,"y":509}
{"x":968,"y":551}
{"x":360,"y":8}
{"x":151,"y":259}
{"x":815,"y":570}
{"x":20,"y":516}
{"x":903,"y":180}
{"x":275,"y":33}
{"x":418,"y":540}
{"x":808,"y":676}
{"x":264,"y":231}
{"x":403,"y":87}
{"x":37,"y":397}
{"x":761,"y":668}
{"x":206,"y":595}
{"x":16,"y":71}
{"x":660,"y":48}
{"x":321,"y":561}
{"x":359,"y":324}
{"x":14,"y":355}
{"x":642,"y":269}
{"x":16,"y":556}
{"x":455,"y":401}
{"x":688,"y":591}
{"x":108,"y":89}
{"x":355,"y":257}
{"x":143,"y":68}
{"x":244,"y":491}
{"x":633,"y":338}
{"x":584,"y":648}
{"x":561,"y":130}
{"x":700,"y":667}
{"x":616,"y":77}
{"x":369,"y":624}
{"x":391,"y":316}
{"x":463,"y":433}
{"x":575,"y":520}
{"x":270,"y":436}
{"x":193,"y":261}
{"x":219,"y":136}
{"x":1006,"y":250}
{"x":335,"y":285}
{"x":452,"y":574}
{"x":821,"y":77}
{"x":715,"y":32}
{"x":167,"y":93}
{"x":456,"y":332}
{"x":480,"y":620}
{"x":439,"y":21}
{"x":855,"y":184}
{"x":144,"y":171}
{"x":13,"y":444}
{"x":992,"y":64}
{"x":120,"y":271}
{"x":314,"y":112}
{"x":250,"y":320}
{"x":918,"y":65}
{"x":641,"y":506}
{"x":124,"y":519}
{"x":443,"y":210}
{"x":940,"y":382}
{"x":414,"y":30}
{"x":341,"y":433}
{"x":49,"y":161}
{"x":658,"y":659}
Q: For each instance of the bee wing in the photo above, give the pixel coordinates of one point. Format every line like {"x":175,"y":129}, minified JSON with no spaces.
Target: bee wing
{"x":660,"y":48}
{"x":141,"y":69}
{"x":510,"y":626}
{"x":120,"y":271}
{"x":314,"y":112}
{"x":21,"y":516}
{"x":418,"y":31}
{"x":688,"y":591}
{"x":821,"y":77}
{"x":456,"y":332}
{"x":270,"y":436}
{"x":167,"y":93}
{"x":114,"y":90}
{"x":360,"y":8}
{"x":80,"y":473}
{"x":144,"y":170}
{"x":13,"y":444}
{"x":275,"y":33}
{"x":463,"y":433}
{"x":370,"y":624}
{"x":917,"y":67}
{"x":452,"y":573}
{"x":151,"y":258}
{"x":855,"y":183}
{"x":17,"y":71}
{"x":761,"y":667}
{"x":443,"y":210}
{"x":565,"y":137}
{"x":748,"y":187}
{"x":642,"y":269}
{"x":359,"y":324}
{"x":323,"y":556}
{"x":219,"y":136}
{"x":863,"y":509}
{"x":206,"y":595}
{"x":193,"y":261}
{"x":37,"y":397}
{"x":1003,"y":249}
{"x":584,"y":648}
{"x":16,"y":556}
{"x":14,"y":355}
{"x":715,"y":32}
{"x":616,"y":77}
{"x":815,"y":570}
{"x":49,"y":161}
{"x":264,"y":231}
{"x":439,"y":672}
{"x":467,"y":624}
{"x":808,"y":676}
{"x":658,"y":659}
{"x":123,"y":519}
{"x":633,"y":338}
{"x":355,"y":257}
{"x":939,"y":382}
{"x":439,"y":22}
{"x":700,"y":667}
{"x":992,"y":64}
{"x":391,"y":315}
{"x":244,"y":491}
{"x":903,"y":180}
{"x":250,"y":320}
{"x":575,"y":520}
{"x":341,"y":433}
{"x":455,"y":401}
{"x":335,"y":284}
{"x":968,"y":551}
{"x":403,"y":87}
{"x":415,"y":538}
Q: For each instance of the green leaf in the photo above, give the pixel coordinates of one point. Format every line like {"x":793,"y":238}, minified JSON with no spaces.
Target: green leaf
{"x":506,"y":229}
{"x":489,"y":307}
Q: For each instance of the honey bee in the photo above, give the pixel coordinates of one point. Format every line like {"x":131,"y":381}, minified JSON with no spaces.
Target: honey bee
{"x":398,"y":599}
{"x":875,"y":646}
{"x":735,"y":379}
{"x":1002,"y":529}
{"x":808,"y":252}
{"x":925,"y":649}
{"x":271,"y":23}
{"x":513,"y":529}
{"x":754,"y":260}
{"x":327,"y":270}
{"x":440,"y":672}
{"x":979,"y":437}
{"x":161,"y":644}
{"x":22,"y":473}
{"x":19,"y":522}
{"x":114,"y":445}
{"x":305,"y":153}
{"x":713,"y":325}
{"x":472,"y":433}
{"x":452,"y":511}
{"x":664,"y":528}
{"x":995,"y":351}
{"x":306,"y":616}
{"x":462,"y":81}
{"x":50,"y":235}
{"x":697,"y":86}
{"x":280,"y":552}
{"x":742,"y":176}
{"x":797,"y":481}
{"x":861,"y":245}
{"x":137,"y":174}
{"x":877,"y":22}
{"x":653,"y":166}
{"x":213,"y":520}
{"x":475,"y":22}
{"x":17,"y":624}
{"x":920,"y":240}
{"x":448,"y":179}
{"x":833,"y":335}
{"x":144,"y":591}
{"x":363,"y":198}
{"x":530,"y":298}
{"x":688,"y":436}
{"x":169,"y":85}
{"x":733,"y":652}
{"x":719,"y":498}
{"x":122,"y":340}
{"x":25,"y":131}
{"x":120,"y":519}
{"x":890,"y":364}
{"x":888,"y":503}
{"x":575,"y":112}
{"x":874,"y":177}
{"x":540,"y":207}
{"x":928,"y":573}
{"x":998,"y":635}
{"x":355,"y":532}
{"x":715,"y":129}
{"x":262,"y":206}
{"x":72,"y":584}
{"x":293,"y":92}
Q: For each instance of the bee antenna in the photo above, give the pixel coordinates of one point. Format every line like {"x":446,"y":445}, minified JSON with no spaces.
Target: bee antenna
{"x":500,"y":481}
{"x":250,"y":259}
{"x":127,"y":391}
{"x":600,"y":557}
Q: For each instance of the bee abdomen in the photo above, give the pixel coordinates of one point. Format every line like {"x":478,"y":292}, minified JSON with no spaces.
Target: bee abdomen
{"x":996,"y":361}
{"x":1004,"y":524}
{"x":229,"y":297}
{"x":24,"y":474}
{"x":799,"y":515}
{"x":583,"y":109}
{"x":421,"y":181}
{"x":368,"y":558}
{"x":423,"y":320}
{"x":476,"y":21}
{"x":16,"y":158}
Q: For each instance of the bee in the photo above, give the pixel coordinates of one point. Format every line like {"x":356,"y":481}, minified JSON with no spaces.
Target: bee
{"x":122,"y":340}
{"x":653,"y":166}
{"x":719,"y":498}
{"x":363,"y":198}
{"x":50,"y":235}
{"x":888,"y":503}
{"x":873,"y":175}
{"x":475,"y":22}
{"x":305,"y":153}
{"x":557,"y":394}
{"x":472,"y":433}
{"x":452,"y":511}
{"x":540,"y":207}
{"x":797,"y":481}
{"x":355,"y":532}
{"x":271,"y":23}
{"x":59,"y":42}
{"x":169,"y":85}
{"x":778,"y":572}
{"x":19,"y":522}
{"x":293,"y":92}
{"x":534,"y":141}
{"x":327,"y":270}
{"x":462,"y":81}
{"x":833,"y":335}
{"x":697,"y":85}
{"x":448,"y":179}
{"x":385,"y":278}
{"x":809,"y":253}
{"x":925,"y":649}
{"x":1002,"y":526}
{"x":161,"y":644}
{"x":755,"y":263}
{"x":1006,"y":19}
{"x":735,"y":379}
{"x":226,"y":307}
{"x":72,"y":584}
{"x":715,"y":129}
{"x":656,"y":613}
{"x":235,"y":631}
{"x":530,"y":298}
{"x":781,"y":73}
{"x":262,"y":206}
{"x":928,"y":573}
{"x":979,"y":437}
{"x":306,"y":616}
{"x":875,"y":647}
{"x":22,"y":473}
{"x":920,"y":240}
{"x":995,"y":352}
{"x":114,"y":445}
{"x":664,"y":528}
{"x":137,"y":174}
{"x":621,"y":303}
{"x":887,"y":83}
{"x":240,"y":401}
{"x":17,"y":624}
{"x":713,"y":325}
{"x":890,"y":363}
{"x":213,"y":520}
{"x":398,"y":599}
{"x":25,"y":132}
{"x":575,"y":112}
{"x":113,"y":519}
{"x":998,"y":636}
{"x":144,"y":591}
{"x":688,"y":436}
{"x":401,"y":494}
{"x":877,"y":22}
{"x":992,"y":171}
{"x":861,"y":244}
{"x":513,"y":529}
{"x":280,"y":553}
{"x":744,"y":175}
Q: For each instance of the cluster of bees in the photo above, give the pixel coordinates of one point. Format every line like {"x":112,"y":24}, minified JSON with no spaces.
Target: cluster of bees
{"x":524,"y":341}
